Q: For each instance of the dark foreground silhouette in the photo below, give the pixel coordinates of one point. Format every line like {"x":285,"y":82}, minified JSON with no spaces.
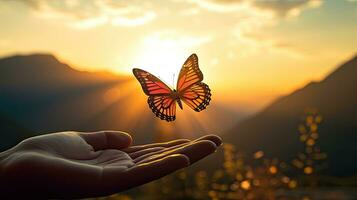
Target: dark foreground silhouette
{"x":78,"y":165}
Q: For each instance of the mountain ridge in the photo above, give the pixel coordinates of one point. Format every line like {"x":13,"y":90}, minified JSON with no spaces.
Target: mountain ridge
{"x":274,"y":129}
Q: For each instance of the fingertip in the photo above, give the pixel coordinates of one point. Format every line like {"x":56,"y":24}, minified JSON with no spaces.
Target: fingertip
{"x":199,"y":150}
{"x":216,"y":139}
{"x":213,"y":138}
{"x":208,"y":145}
{"x":182,"y":160}
{"x":118,"y":139}
{"x":123,"y":135}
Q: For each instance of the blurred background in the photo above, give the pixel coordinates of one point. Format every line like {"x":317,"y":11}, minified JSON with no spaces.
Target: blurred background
{"x":283,"y":75}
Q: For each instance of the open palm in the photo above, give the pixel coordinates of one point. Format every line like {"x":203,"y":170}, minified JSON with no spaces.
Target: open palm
{"x":74,"y":164}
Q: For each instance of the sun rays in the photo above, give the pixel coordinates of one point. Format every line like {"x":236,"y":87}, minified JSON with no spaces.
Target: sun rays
{"x":126,"y":103}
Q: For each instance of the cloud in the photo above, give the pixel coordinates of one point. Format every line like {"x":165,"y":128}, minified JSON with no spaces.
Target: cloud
{"x":221,"y":6}
{"x":244,"y":21}
{"x":281,"y":8}
{"x":85,"y":14}
{"x":248,"y":20}
{"x":288,"y":8}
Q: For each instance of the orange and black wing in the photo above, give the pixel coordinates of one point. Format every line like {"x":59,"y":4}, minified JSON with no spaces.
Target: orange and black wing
{"x":190,"y":73}
{"x":163,"y":107}
{"x":192,"y":91}
{"x":151,"y":84}
{"x":197,"y":96}
{"x":160,"y":100}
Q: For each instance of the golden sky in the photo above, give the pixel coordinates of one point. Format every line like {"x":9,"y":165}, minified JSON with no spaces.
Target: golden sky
{"x":250,"y":51}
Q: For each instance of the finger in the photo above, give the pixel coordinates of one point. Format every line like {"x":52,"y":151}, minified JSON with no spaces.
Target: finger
{"x":214,"y":138}
{"x":164,"y":144}
{"x":140,"y":155}
{"x":145,"y":152}
{"x":211,"y":138}
{"x":107,"y":139}
{"x":194,"y":151}
{"x":141,"y":174}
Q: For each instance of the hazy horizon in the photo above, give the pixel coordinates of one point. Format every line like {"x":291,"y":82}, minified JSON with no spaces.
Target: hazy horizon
{"x":273,"y":82}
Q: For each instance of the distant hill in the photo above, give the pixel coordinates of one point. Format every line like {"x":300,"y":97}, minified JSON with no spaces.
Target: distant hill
{"x":39,"y":94}
{"x":33,"y":87}
{"x":274,"y":130}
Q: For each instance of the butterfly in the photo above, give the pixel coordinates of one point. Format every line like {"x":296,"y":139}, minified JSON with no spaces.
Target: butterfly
{"x":189,"y":89}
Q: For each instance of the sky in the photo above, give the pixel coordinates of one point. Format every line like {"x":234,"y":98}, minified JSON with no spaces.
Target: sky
{"x":250,"y":51}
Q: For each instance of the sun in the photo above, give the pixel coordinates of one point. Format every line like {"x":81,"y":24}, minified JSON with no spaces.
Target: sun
{"x":161,"y":57}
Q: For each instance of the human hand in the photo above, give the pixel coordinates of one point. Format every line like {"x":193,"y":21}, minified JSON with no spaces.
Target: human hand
{"x":78,"y":165}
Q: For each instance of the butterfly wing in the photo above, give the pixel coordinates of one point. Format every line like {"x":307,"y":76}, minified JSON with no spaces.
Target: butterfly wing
{"x":163,"y":107}
{"x":160,"y":99}
{"x":197,"y":96}
{"x":190,"y":73}
{"x":151,"y":84}
{"x":192,"y":91}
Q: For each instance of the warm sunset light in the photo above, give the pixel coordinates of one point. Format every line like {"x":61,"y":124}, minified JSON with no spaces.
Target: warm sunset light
{"x":120,"y":98}
{"x":260,"y":50}
{"x":161,"y":57}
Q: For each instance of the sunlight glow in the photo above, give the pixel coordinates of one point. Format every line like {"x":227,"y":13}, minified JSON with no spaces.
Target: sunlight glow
{"x":163,"y":55}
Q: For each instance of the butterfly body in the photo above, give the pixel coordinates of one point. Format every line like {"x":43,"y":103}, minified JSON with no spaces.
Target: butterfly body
{"x":190,"y":89}
{"x":175,"y":95}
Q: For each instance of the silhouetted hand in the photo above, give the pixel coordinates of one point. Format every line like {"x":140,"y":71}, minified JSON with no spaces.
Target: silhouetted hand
{"x":73,"y":164}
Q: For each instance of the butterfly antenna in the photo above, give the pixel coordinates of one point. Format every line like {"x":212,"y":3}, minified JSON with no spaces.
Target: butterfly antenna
{"x":173,"y":81}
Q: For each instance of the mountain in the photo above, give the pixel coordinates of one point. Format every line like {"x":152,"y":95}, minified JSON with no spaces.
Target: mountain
{"x":39,"y":94}
{"x":274,"y":130}
{"x":32,"y":87}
